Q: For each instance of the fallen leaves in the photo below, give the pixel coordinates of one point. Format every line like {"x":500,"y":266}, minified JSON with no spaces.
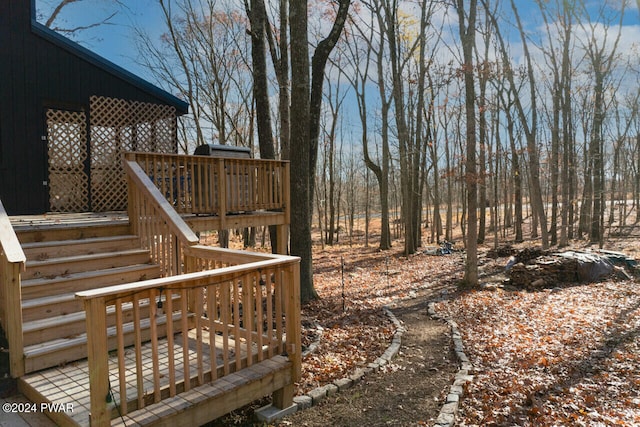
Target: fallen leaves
{"x":554,"y":357}
{"x":357,"y":336}
{"x":563,"y":356}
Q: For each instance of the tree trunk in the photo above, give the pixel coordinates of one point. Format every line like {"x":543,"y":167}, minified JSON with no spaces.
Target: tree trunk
{"x":258,"y":18}
{"x":467,"y":28}
{"x":300,"y":148}
{"x":318,"y":63}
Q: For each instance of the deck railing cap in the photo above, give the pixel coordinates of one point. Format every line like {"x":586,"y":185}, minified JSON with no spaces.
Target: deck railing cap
{"x":9,"y":243}
{"x":199,"y":278}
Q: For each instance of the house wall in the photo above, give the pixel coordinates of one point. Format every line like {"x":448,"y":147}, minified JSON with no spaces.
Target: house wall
{"x":40,"y":70}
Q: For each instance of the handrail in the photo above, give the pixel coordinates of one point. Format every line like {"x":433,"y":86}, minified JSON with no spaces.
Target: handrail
{"x":217,"y":186}
{"x":195,"y":279}
{"x":216,"y":322}
{"x":12,"y":263}
{"x":160,"y":228}
{"x":230,"y":256}
{"x":9,"y":242}
{"x":146,"y":186}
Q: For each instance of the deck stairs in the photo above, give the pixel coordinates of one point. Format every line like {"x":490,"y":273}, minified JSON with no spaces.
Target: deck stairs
{"x":61,"y":261}
{"x":179,"y":333}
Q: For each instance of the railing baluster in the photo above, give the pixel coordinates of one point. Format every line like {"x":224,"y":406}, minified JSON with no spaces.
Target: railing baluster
{"x":168,"y":303}
{"x":236,"y":322}
{"x":198,"y":314}
{"x":122,"y":371}
{"x":225,"y":304}
{"x":211,"y":314}
{"x":154,"y":345}
{"x":179,"y":181}
{"x":184,"y":324}
{"x":138,"y":350}
{"x":207,"y":185}
{"x":247,"y":315}
{"x":268,"y":284}
{"x":269,"y":194}
{"x":279,"y":303}
{"x":259,"y":323}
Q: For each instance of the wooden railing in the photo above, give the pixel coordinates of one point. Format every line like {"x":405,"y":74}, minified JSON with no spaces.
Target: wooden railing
{"x":215,"y":323}
{"x":12,"y":263}
{"x":153,"y":219}
{"x":215,"y":312}
{"x":217,"y":186}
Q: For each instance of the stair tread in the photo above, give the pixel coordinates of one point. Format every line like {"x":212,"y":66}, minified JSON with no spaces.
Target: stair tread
{"x":45,"y":244}
{"x":51,"y":322}
{"x":86,"y":257}
{"x":23,"y":226}
{"x":48,"y":300}
{"x":62,"y":319}
{"x":46,"y":347}
{"x":85,"y":274}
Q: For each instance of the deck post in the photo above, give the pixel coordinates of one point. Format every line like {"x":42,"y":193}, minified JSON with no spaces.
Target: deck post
{"x":98,"y":360}
{"x":12,"y":263}
{"x":10,"y":277}
{"x":282,"y":231}
{"x":222,"y":193}
{"x":282,"y":402}
{"x":294,"y":326}
{"x":283,"y":398}
{"x":133,"y":210}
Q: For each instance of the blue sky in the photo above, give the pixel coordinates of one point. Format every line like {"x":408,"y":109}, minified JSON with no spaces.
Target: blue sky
{"x":113,"y":41}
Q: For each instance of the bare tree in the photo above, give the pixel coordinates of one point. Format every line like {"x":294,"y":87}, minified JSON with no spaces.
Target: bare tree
{"x":467,"y":29}
{"x":528,"y":119}
{"x":602,"y":56}
{"x":204,"y":57}
{"x":306,"y":101}
{"x":357,"y":73}
{"x":55,"y":18}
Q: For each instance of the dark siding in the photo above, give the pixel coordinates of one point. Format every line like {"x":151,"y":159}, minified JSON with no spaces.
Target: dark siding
{"x":40,"y":70}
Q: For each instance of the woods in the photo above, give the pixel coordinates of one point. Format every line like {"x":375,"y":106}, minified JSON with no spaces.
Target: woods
{"x":466,"y":118}
{"x":469,"y":155}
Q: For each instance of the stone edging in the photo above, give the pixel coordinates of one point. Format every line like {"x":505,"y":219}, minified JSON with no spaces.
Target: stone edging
{"x":449,"y":410}
{"x":318,"y":394}
{"x":447,"y":415}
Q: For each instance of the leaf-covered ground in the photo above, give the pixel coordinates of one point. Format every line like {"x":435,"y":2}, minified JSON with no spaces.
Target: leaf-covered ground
{"x":564,"y":356}
{"x":354,"y":330}
{"x":568,"y":355}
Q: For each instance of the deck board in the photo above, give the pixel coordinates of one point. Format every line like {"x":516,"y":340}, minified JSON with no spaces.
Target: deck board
{"x":199,"y":222}
{"x":70,"y":383}
{"x":67,"y":219}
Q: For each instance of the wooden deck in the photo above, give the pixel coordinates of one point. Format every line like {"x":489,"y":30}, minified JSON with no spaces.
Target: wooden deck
{"x":199,"y":222}
{"x":67,"y":220}
{"x":66,"y":389}
{"x":132,"y":366}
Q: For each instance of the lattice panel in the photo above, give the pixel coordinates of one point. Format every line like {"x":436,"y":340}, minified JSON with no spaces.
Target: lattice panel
{"x":110,"y":135}
{"x":118,"y":125}
{"x":67,"y":150}
{"x":155,"y":129}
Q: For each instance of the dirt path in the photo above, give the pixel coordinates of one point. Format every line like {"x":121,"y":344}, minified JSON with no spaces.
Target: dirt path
{"x":407,"y":392}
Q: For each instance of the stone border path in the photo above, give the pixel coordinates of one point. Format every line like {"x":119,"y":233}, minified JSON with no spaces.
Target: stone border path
{"x":449,"y":410}
{"x":318,"y":394}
